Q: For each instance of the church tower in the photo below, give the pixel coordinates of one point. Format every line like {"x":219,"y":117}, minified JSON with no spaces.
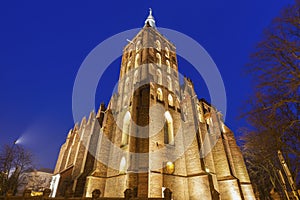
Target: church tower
{"x":152,"y":136}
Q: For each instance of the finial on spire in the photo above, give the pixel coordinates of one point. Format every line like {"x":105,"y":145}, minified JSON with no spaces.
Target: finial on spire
{"x":150,"y":19}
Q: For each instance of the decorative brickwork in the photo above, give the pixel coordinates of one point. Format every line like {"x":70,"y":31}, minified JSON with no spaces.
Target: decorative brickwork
{"x":151,"y":136}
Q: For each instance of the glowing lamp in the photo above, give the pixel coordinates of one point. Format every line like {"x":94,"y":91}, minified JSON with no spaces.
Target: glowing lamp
{"x":170,"y":167}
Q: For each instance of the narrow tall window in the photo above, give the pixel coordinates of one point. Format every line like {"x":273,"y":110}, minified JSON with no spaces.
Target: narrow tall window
{"x":167,"y":54}
{"x":159,"y":76}
{"x":138,"y":46}
{"x":157,"y":45}
{"x":168,"y":66}
{"x":137,"y":59}
{"x":168,"y":129}
{"x":126,"y":129}
{"x":169,"y":82}
{"x":158,"y":56}
{"x":135,"y":76}
{"x":170,"y":100}
{"x":159,"y":94}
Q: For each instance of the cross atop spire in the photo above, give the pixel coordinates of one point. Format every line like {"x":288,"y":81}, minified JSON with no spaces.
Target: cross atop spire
{"x":150,"y":19}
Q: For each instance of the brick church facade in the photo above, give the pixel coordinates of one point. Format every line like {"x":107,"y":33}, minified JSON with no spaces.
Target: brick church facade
{"x":151,"y":136}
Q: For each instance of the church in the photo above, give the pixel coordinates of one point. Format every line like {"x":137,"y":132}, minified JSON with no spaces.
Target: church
{"x":154,"y":134}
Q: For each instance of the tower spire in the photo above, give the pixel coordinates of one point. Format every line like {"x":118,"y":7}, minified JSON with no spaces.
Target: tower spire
{"x":150,"y":19}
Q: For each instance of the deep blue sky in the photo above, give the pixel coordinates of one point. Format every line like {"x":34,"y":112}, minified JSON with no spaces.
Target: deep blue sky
{"x":43,"y":43}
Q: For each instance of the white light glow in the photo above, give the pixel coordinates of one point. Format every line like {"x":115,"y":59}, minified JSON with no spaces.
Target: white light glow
{"x":54,"y":184}
{"x":20,"y":140}
{"x":162,"y":192}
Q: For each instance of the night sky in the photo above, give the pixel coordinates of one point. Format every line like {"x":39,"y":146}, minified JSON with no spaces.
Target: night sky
{"x":43,"y":43}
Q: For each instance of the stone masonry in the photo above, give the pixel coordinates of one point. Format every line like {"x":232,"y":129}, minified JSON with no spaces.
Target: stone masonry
{"x":152,"y":135}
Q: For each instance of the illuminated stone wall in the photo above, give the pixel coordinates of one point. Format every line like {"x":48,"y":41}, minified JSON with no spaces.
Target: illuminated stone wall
{"x":188,"y":123}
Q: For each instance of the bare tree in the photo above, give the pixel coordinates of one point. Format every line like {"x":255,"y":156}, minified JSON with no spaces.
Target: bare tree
{"x":274,"y":109}
{"x":14,"y":161}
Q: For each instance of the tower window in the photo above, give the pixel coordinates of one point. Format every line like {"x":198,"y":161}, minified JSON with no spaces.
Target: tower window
{"x":168,"y":129}
{"x":157,"y":45}
{"x":126,"y":129}
{"x":135,"y":76}
{"x":170,"y":100}
{"x":138,"y":46}
{"x":159,"y":94}
{"x":168,"y":66}
{"x":159,"y":76}
{"x":167,"y":54}
{"x":158,"y":57}
{"x":137,"y":59}
{"x":169,"y":83}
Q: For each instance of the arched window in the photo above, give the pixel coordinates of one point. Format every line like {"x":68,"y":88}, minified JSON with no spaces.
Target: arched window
{"x":158,"y":56}
{"x":168,"y":66}
{"x":126,"y":85}
{"x":167,"y":54}
{"x":168,"y":129}
{"x":170,"y":100}
{"x":159,"y":94}
{"x":157,"y":45}
{"x":137,"y":58}
{"x":169,"y":83}
{"x":159,"y":76}
{"x":122,"y":169}
{"x":129,"y":64}
{"x":126,"y":129}
{"x":138,"y":46}
{"x":135,"y":76}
